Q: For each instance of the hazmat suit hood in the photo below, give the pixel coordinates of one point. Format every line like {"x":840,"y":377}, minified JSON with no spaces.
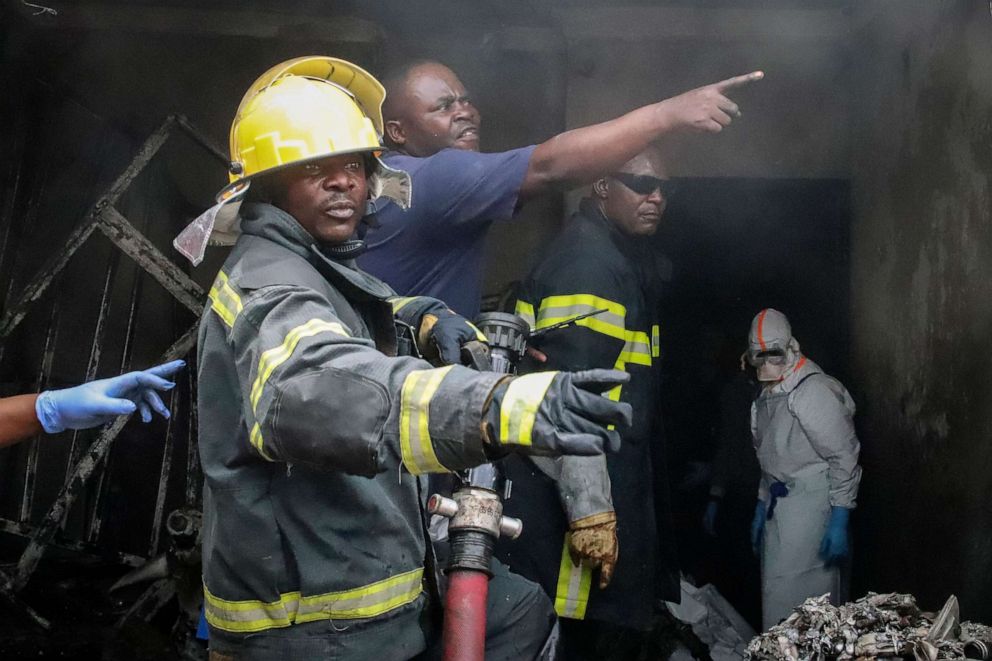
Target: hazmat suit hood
{"x":771,"y":347}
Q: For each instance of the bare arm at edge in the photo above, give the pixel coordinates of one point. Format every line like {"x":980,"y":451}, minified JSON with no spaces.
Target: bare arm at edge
{"x":18,"y":420}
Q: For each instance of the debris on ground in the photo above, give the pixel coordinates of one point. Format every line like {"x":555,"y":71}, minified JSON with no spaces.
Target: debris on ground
{"x":876,"y":626}
{"x":713,"y":620}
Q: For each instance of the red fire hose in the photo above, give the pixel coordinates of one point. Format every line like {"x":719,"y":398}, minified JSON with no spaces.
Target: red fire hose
{"x":477,"y":520}
{"x":465,"y":615}
{"x":475,"y":508}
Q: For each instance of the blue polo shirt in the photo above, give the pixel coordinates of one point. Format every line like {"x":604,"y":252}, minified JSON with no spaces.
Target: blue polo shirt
{"x":435,"y":248}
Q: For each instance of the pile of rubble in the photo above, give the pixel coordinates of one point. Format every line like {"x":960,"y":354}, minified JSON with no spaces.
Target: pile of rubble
{"x":876,"y":626}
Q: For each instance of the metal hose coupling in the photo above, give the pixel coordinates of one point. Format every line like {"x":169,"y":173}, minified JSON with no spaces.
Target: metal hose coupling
{"x":477,"y":521}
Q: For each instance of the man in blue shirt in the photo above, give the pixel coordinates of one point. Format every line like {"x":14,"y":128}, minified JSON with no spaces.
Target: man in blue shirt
{"x":435,"y":248}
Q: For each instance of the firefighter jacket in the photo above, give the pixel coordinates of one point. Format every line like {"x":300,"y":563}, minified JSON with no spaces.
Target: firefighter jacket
{"x":312,"y":434}
{"x":592,"y":266}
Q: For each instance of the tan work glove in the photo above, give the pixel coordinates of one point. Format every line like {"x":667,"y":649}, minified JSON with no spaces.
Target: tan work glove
{"x":594,"y":540}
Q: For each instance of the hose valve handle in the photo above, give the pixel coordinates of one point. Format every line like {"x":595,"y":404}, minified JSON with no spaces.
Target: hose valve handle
{"x":475,"y":511}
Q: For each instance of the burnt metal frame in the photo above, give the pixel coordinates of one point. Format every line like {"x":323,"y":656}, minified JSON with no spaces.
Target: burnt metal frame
{"x":129,"y":240}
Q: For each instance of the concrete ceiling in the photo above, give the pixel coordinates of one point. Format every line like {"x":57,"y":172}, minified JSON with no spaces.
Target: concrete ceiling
{"x":530,"y":24}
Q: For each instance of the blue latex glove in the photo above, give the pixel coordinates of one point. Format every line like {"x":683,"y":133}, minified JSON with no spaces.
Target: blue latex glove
{"x":758,"y":526}
{"x":202,"y":630}
{"x":98,"y":402}
{"x":834,"y":547}
{"x":709,"y":517}
{"x":448,"y":333}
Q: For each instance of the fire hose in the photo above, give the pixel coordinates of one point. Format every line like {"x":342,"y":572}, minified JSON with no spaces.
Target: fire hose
{"x":475,"y":508}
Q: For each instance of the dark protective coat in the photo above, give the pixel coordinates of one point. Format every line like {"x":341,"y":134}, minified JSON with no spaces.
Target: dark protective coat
{"x":590,"y":266}
{"x":309,"y":432}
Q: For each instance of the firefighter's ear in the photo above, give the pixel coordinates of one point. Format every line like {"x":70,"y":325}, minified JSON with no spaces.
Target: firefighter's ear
{"x":601,"y":188}
{"x":395,"y":133}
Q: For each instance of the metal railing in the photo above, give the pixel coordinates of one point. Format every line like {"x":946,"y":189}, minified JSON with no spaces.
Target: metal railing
{"x":87,"y":465}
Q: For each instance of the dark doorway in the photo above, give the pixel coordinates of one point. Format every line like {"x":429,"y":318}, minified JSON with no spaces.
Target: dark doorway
{"x":739,"y":245}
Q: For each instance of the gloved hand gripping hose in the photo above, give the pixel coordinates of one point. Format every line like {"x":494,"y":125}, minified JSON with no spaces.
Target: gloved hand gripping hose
{"x":442,"y":336}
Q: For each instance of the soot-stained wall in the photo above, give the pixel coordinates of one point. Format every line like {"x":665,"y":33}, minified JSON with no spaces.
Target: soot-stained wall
{"x":922,"y":301}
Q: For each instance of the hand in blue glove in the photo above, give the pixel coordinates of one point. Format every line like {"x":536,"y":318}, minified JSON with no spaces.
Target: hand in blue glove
{"x":98,"y":402}
{"x":758,"y":526}
{"x":834,"y":547}
{"x":709,"y":517}
{"x":445,"y":333}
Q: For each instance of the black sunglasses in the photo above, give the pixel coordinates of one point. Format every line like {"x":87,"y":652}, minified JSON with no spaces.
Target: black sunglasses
{"x":645,"y":184}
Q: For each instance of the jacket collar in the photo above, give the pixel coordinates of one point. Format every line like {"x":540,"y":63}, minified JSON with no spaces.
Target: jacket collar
{"x":336,"y":263}
{"x":590,"y":211}
{"x":652,"y":268}
{"x":273,"y":224}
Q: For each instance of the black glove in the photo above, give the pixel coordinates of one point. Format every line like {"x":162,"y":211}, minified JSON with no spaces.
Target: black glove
{"x":556,"y":413}
{"x":442,"y":335}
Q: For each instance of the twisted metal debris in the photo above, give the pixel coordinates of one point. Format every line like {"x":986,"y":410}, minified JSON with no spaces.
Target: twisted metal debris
{"x":878,"y":625}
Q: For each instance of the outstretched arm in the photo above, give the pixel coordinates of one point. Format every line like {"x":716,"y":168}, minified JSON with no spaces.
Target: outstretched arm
{"x":88,"y":405}
{"x":18,"y":420}
{"x":582,"y":155}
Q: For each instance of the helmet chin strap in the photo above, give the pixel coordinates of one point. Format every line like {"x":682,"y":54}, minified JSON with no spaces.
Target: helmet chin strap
{"x":353,"y":248}
{"x":349,"y":249}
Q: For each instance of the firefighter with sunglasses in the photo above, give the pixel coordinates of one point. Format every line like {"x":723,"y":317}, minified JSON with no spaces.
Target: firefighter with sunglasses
{"x":803,"y":429}
{"x":592,"y":538}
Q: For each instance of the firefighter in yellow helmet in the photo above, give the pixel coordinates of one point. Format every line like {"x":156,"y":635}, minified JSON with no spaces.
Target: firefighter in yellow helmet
{"x":315,"y":429}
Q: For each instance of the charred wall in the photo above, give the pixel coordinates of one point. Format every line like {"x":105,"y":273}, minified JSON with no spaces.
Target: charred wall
{"x":922,"y":301}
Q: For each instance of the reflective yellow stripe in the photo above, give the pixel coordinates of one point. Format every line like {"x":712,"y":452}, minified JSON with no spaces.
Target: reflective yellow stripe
{"x":415,"y":438}
{"x":256,"y":440}
{"x":555,"y":309}
{"x":574,"y":582}
{"x":637,"y":346}
{"x":655,"y":341}
{"x":273,"y":358}
{"x":292,"y":608}
{"x":614,"y":392}
{"x":479,"y":335}
{"x":276,"y":356}
{"x":224,"y":300}
{"x":637,"y":349}
{"x":519,"y":407}
{"x":525,"y":311}
{"x":399,"y":302}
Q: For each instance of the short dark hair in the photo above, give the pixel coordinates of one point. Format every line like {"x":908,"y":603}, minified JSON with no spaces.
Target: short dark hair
{"x":393,"y":79}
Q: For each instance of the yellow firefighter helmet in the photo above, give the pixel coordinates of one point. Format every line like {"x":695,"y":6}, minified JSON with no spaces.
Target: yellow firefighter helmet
{"x":305,"y":109}
{"x":298,"y":111}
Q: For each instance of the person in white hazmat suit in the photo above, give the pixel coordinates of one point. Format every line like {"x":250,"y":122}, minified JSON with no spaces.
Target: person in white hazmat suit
{"x":803,"y":429}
